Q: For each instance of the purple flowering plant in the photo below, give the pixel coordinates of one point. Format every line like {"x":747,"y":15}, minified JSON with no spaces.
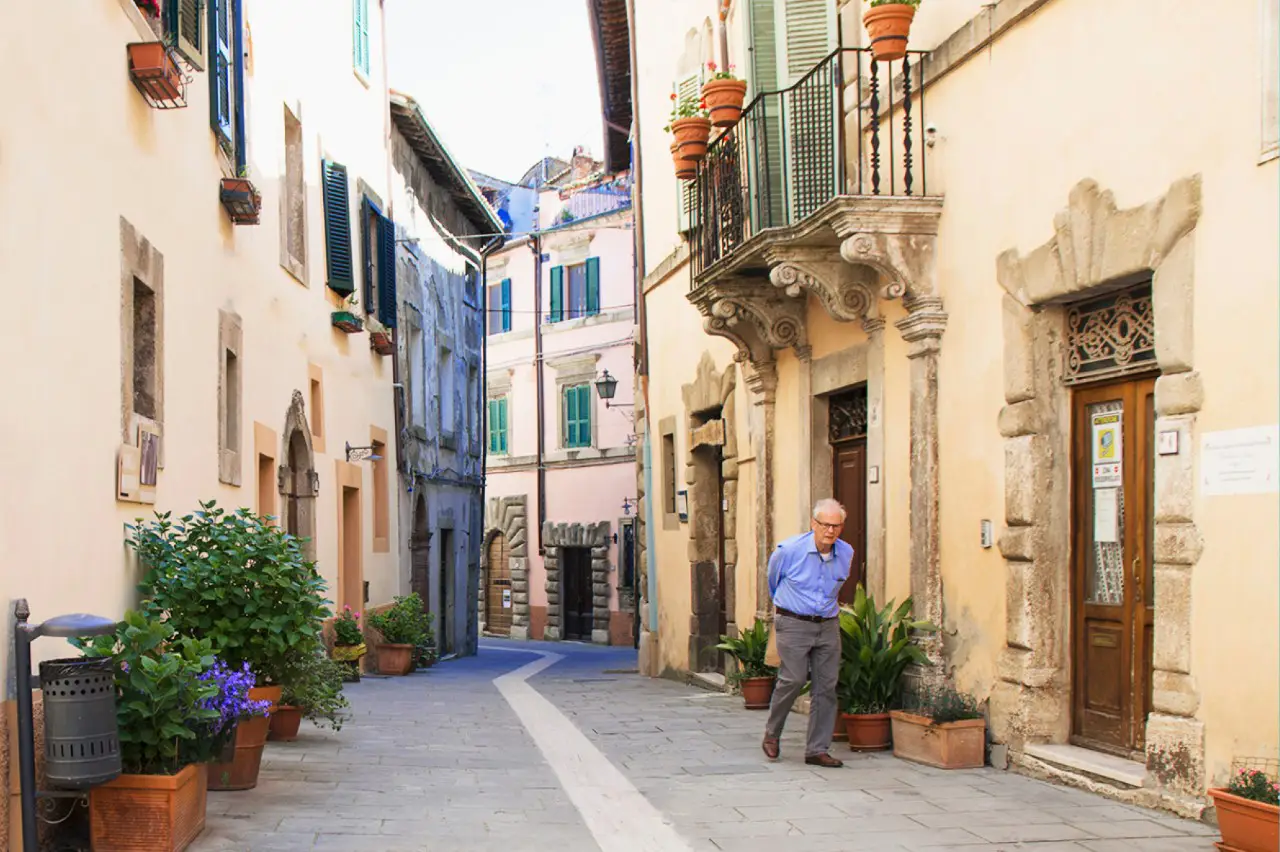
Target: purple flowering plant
{"x":231,"y":702}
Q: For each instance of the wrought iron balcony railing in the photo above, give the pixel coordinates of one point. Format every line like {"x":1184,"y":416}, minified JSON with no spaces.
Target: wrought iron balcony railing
{"x":796,"y":149}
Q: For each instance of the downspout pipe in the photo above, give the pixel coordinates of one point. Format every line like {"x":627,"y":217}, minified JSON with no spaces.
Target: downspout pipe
{"x":483,"y":395}
{"x":535,"y":245}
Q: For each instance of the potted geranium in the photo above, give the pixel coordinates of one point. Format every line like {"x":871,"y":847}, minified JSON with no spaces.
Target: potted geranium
{"x":1248,"y":815}
{"x":941,"y":727}
{"x":314,"y":691}
{"x":344,"y":319}
{"x":888,"y":24}
{"x":723,"y":95}
{"x":876,"y":648}
{"x":690,"y":126}
{"x":239,"y":580}
{"x":402,"y":626}
{"x":164,"y":703}
{"x":348,"y":643}
{"x":752,"y":676}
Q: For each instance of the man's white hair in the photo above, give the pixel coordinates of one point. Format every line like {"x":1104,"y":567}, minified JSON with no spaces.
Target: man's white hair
{"x":829,"y":505}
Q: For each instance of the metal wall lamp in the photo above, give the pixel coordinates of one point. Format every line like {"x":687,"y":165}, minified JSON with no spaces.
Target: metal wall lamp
{"x":362,"y":453}
{"x":607,"y":386}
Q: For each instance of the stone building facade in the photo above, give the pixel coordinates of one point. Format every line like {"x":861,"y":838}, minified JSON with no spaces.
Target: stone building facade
{"x":1000,"y":357}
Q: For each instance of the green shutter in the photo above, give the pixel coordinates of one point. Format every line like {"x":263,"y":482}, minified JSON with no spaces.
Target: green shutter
{"x":806,"y":36}
{"x":502,"y":425}
{"x":593,"y":286}
{"x":570,"y":417}
{"x":337,"y":227}
{"x":360,"y":35}
{"x":386,"y":272}
{"x":764,"y":51}
{"x":221,"y":96}
{"x":584,"y":415}
{"x":366,"y":255}
{"x":766,"y":182}
{"x":506,"y":304}
{"x":557,"y":293}
{"x":186,"y":29}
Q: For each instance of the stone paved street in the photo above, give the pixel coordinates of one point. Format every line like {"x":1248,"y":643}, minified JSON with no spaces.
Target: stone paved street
{"x":584,"y":754}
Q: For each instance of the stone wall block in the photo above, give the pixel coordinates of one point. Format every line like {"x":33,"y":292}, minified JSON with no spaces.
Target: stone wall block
{"x":1178,"y":216}
{"x":1172,"y":633}
{"x":1126,"y":243}
{"x":519,"y":597}
{"x":1178,"y":544}
{"x":1174,"y":693}
{"x":1024,"y":467}
{"x":1181,"y":393}
{"x":730,"y":552}
{"x":1173,"y":307}
{"x":1019,"y":418}
{"x":1018,"y":543}
{"x":1017,"y":614}
{"x":1175,"y":474}
{"x":1175,"y":753}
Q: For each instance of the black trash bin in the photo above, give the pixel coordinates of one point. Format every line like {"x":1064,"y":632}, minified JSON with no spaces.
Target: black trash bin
{"x":81,"y":740}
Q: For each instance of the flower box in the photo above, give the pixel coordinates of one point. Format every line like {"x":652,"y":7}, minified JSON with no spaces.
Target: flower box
{"x":382,"y":343}
{"x":347,"y":322}
{"x":1246,"y":825}
{"x":164,"y":813}
{"x":156,"y":75}
{"x":949,"y":745}
{"x":242,"y":200}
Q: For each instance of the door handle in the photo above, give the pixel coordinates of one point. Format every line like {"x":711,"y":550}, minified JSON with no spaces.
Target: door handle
{"x":1137,"y":578}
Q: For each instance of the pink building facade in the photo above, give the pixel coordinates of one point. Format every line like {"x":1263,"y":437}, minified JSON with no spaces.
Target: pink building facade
{"x":558,"y":559}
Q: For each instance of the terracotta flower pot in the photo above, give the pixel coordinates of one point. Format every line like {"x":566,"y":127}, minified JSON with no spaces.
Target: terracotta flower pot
{"x":691,"y":135}
{"x":839,"y":734}
{"x":724,"y":100}
{"x":950,"y":745}
{"x":395,"y":659}
{"x":686,"y":169}
{"x":868,"y":731}
{"x":285,"y":723}
{"x":164,"y":813}
{"x":154,"y":70}
{"x":251,"y":736}
{"x":757,"y":692}
{"x":888,"y":26}
{"x":1246,"y":825}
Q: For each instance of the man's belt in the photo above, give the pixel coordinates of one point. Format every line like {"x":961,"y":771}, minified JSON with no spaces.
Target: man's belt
{"x":816,"y":619}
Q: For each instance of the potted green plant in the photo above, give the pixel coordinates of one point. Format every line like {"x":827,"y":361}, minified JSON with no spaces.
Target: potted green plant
{"x":752,"y":676}
{"x":241,"y":198}
{"x":402,"y":626}
{"x":1248,"y":812}
{"x":313,"y":691}
{"x":238,"y":580}
{"x":344,"y":319}
{"x":876,"y":647}
{"x":690,"y":126}
{"x":348,"y":643}
{"x":940,"y":727}
{"x":888,"y":24}
{"x":723,"y":95}
{"x":166,"y":710}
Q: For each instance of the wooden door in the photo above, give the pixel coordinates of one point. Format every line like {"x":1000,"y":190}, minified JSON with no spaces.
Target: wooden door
{"x":497,"y":610}
{"x":1113,"y":472}
{"x":444,"y":627}
{"x":851,"y":491}
{"x":575,"y":583}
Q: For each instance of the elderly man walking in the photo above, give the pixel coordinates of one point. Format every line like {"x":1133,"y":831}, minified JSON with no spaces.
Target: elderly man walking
{"x":805,"y":576}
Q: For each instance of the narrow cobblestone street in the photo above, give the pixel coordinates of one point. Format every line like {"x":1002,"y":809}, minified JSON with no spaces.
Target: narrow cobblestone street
{"x":571,"y":750}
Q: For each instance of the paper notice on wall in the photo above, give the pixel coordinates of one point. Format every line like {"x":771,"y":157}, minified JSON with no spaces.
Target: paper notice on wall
{"x":1106,"y":515}
{"x":1240,"y":461}
{"x":1108,"y":454}
{"x":506,"y":599}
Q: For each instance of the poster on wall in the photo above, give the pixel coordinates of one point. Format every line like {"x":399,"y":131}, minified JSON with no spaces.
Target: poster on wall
{"x":506,"y":599}
{"x":1107,"y":451}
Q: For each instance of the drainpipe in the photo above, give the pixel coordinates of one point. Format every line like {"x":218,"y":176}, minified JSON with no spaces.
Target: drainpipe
{"x":535,"y":244}
{"x":483,"y":396}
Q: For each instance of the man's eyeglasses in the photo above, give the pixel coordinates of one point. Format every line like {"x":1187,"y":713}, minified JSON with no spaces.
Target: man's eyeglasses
{"x":830,"y":527}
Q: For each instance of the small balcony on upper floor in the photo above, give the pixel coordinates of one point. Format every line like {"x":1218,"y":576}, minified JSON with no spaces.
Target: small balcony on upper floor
{"x":841,"y":152}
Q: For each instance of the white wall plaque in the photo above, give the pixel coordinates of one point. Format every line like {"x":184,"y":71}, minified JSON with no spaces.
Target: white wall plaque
{"x":1240,"y":461}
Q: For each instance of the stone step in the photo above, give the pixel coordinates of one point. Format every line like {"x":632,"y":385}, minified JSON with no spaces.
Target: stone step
{"x":713,"y":681}
{"x":1094,"y":764}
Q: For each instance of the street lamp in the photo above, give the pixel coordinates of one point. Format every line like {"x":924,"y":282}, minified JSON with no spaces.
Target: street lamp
{"x":607,"y":386}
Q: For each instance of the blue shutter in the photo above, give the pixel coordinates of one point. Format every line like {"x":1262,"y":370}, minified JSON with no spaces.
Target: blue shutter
{"x":557,"y":293}
{"x":366,"y":255}
{"x":237,"y":83}
{"x":493,"y":426}
{"x":593,"y":286}
{"x":386,"y":272}
{"x":506,"y":304}
{"x":337,"y":227}
{"x":221,"y":101}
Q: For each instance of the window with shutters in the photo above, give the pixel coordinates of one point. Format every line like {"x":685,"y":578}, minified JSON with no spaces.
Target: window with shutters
{"x":498,"y":426}
{"x":500,"y":307}
{"x":337,"y":227}
{"x":185,"y":29}
{"x":577,"y":279}
{"x":577,"y":416}
{"x":360,"y":36}
{"x":557,"y":294}
{"x":226,"y":77}
{"x":575,"y":290}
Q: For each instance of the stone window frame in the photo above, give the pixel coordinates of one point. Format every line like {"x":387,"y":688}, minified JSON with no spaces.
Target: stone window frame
{"x":265,"y":443}
{"x":315,"y":383}
{"x":1269,"y":75}
{"x":415,"y":353}
{"x":570,"y":372}
{"x":294,"y":192}
{"x":143,"y":263}
{"x":230,"y":399}
{"x":446,"y":353}
{"x":380,"y":504}
{"x":667,"y":428}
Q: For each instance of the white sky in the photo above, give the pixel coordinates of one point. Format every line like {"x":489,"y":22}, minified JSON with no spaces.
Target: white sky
{"x":504,"y":82}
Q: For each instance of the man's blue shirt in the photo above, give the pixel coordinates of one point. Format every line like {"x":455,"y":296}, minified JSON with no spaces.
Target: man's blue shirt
{"x":801,"y":581}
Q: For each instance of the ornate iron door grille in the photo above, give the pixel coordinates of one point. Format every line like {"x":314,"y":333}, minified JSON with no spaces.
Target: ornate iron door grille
{"x":848,"y":415}
{"x":1110,"y":336}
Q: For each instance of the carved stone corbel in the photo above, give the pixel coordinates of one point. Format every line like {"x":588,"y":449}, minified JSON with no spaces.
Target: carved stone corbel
{"x":845,"y":291}
{"x":757,"y":320}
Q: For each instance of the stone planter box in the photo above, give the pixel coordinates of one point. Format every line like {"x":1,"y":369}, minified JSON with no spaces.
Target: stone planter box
{"x":950,"y":745}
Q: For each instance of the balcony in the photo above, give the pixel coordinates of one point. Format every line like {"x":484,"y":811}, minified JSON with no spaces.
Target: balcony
{"x":807,"y":166}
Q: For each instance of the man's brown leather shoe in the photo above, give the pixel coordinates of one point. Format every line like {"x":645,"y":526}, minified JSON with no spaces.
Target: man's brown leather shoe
{"x":823,"y":760}
{"x":770,"y":746}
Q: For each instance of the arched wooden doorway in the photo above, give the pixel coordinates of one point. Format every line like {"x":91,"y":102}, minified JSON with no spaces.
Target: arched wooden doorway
{"x":498,"y":592}
{"x":420,"y":554}
{"x":298,"y":480}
